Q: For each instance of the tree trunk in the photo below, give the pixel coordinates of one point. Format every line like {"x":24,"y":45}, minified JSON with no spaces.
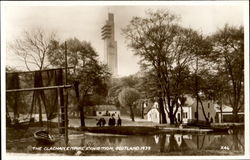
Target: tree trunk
{"x":163,"y":138}
{"x":235,"y":116}
{"x":181,"y":114}
{"x":76,"y":85}
{"x":171,"y":114}
{"x":221,"y":117}
{"x":196,"y":91}
{"x":81,"y":115}
{"x":207,"y":120}
{"x":197,"y":108}
{"x":142,"y":110}
{"x":132,"y":113}
{"x":172,"y":118}
{"x":162,"y":111}
{"x":160,"y":100}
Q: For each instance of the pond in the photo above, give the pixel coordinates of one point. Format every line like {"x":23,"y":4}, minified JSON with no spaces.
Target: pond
{"x":138,"y":145}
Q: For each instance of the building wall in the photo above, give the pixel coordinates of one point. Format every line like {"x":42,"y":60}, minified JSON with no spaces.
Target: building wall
{"x":187,"y":114}
{"x":208,"y":108}
{"x":103,"y":113}
{"x":228,"y":117}
{"x":153,"y":115}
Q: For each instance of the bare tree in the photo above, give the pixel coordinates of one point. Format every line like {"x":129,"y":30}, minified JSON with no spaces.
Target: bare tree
{"x":33,"y":47}
{"x":167,"y":48}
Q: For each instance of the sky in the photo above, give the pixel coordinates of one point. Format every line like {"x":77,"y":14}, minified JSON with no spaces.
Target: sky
{"x":84,"y":21}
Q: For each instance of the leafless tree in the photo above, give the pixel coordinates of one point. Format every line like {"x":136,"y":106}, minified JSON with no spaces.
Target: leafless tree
{"x":33,"y":47}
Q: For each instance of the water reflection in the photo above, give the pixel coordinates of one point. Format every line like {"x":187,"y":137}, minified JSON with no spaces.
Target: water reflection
{"x":179,"y":142}
{"x":174,"y":144}
{"x":238,"y":141}
{"x":167,"y":143}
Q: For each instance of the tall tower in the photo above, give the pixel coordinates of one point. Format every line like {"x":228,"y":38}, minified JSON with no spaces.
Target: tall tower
{"x":110,"y":45}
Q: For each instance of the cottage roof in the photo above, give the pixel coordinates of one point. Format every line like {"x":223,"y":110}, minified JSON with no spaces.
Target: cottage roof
{"x":204,"y":103}
{"x":152,"y":106}
{"x":225,"y":108}
{"x":106,"y":108}
{"x":147,"y":109}
{"x":189,"y":100}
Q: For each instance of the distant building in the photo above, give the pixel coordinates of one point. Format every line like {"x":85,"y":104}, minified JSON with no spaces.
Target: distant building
{"x":106,"y":110}
{"x":188,"y":112}
{"x":97,"y":110}
{"x":153,"y":113}
{"x":185,"y":116}
{"x":110,"y":45}
{"x":227,"y":114}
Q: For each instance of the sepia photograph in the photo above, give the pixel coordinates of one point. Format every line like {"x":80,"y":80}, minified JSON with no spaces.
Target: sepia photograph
{"x":145,"y":79}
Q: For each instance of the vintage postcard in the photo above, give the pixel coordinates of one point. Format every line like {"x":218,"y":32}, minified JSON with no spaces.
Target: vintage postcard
{"x":118,"y":80}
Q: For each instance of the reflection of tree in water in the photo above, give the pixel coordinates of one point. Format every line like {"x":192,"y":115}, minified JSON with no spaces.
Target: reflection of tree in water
{"x":184,"y":145}
{"x":227,"y":142}
{"x":163,"y":139}
{"x":237,"y":137}
{"x":119,"y":140}
{"x":144,"y":139}
{"x":111,"y":140}
{"x":218,"y":141}
{"x":201,"y":145}
{"x":91,"y":141}
{"x":102,"y":140}
{"x":169,"y":144}
{"x":172,"y":146}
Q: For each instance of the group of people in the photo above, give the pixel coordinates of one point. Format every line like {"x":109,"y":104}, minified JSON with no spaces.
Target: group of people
{"x":101,"y":122}
{"x":112,"y":121}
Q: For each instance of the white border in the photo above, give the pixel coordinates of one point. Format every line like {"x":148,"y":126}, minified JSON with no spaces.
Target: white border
{"x":3,"y":98}
{"x":246,"y":78}
{"x":115,"y":3}
{"x":106,"y":3}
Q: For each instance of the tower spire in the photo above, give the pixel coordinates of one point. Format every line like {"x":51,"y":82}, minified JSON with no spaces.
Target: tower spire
{"x":110,"y":45}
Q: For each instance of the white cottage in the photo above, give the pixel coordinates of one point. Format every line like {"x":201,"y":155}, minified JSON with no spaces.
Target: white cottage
{"x":186,"y":113}
{"x":153,"y":113}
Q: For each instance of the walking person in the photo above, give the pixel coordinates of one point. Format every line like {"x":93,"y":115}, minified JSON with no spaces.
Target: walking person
{"x":119,"y":121}
{"x":112,"y":120}
{"x":103,"y":122}
{"x":99,"y":123}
